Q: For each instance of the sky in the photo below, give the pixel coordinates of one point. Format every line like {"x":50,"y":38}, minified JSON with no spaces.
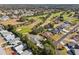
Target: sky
{"x":39,"y":1}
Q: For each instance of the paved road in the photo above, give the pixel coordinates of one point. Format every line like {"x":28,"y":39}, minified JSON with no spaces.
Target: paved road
{"x":57,"y":42}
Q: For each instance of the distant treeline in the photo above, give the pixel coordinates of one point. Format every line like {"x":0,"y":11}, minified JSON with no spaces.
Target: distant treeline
{"x":39,"y":5}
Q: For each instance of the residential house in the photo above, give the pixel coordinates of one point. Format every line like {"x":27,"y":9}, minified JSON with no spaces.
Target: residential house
{"x":7,"y":35}
{"x":19,"y":48}
{"x":36,"y":39}
{"x":27,"y":52}
{"x":4,"y":18}
{"x":47,"y":35}
{"x":1,"y":27}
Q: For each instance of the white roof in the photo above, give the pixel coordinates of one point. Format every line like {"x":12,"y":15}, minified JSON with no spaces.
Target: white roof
{"x":19,"y":49}
{"x":76,"y":51}
{"x":5,"y":17}
{"x":5,"y":32}
{"x":65,"y":30}
{"x":7,"y":35}
{"x":15,"y":42}
{"x":10,"y":37}
{"x":26,"y":52}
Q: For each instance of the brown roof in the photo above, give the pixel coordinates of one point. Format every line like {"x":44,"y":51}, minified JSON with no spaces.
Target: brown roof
{"x":47,"y":34}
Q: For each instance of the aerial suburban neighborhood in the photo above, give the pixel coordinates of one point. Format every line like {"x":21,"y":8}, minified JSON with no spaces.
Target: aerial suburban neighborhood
{"x":39,"y":29}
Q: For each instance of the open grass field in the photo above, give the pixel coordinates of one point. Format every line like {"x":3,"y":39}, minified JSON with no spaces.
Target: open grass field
{"x":23,"y":29}
{"x":27,"y":28}
{"x":48,"y":20}
{"x":37,"y":17}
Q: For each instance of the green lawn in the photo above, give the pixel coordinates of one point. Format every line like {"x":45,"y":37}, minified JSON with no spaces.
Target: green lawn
{"x":31,"y":17}
{"x":56,"y":14}
{"x":70,"y":19}
{"x":27,"y":29}
{"x":24,"y":30}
